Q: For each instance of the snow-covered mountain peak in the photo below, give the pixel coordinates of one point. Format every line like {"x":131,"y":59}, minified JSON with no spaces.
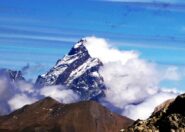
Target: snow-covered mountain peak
{"x":78,"y":51}
{"x":80,"y":43}
{"x":78,"y":48}
{"x":77,"y":71}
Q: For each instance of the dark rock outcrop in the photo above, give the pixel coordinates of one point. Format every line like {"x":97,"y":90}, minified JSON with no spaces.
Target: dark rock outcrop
{"x":169,"y":118}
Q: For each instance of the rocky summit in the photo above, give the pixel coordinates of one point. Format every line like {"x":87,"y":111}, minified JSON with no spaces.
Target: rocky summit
{"x":168,"y":117}
{"x":77,"y":71}
{"x":8,"y":87}
{"x":48,"y":115}
{"x":11,"y":75}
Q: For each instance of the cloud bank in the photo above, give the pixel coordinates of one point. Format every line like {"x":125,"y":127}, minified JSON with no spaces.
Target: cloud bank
{"x":145,"y":108}
{"x":133,"y":83}
{"x":14,"y":95}
{"x":60,"y":94}
{"x":19,"y":100}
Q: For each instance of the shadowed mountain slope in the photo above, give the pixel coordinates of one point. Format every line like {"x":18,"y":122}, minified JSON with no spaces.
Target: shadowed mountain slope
{"x":48,"y":115}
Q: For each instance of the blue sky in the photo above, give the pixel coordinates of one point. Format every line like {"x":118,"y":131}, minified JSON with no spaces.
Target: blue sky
{"x":38,"y":32}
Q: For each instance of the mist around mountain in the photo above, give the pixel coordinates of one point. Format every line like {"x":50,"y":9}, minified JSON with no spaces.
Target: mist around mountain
{"x":94,"y":70}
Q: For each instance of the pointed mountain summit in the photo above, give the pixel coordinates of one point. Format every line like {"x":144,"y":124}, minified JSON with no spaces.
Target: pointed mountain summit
{"x":77,"y":71}
{"x":11,"y":75}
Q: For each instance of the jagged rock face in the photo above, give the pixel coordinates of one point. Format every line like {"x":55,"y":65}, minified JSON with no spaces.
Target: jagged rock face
{"x":77,"y":71}
{"x":11,"y":75}
{"x":48,"y":115}
{"x":163,"y":106}
{"x":171,"y":118}
{"x":8,"y":85}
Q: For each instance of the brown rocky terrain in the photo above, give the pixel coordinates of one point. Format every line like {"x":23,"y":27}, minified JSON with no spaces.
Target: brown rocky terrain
{"x":163,"y":106}
{"x":168,"y":117}
{"x":48,"y":115}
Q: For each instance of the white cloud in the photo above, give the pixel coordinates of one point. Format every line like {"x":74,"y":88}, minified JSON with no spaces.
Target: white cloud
{"x":131,"y":81}
{"x":128,"y":83}
{"x":14,"y":95}
{"x":172,"y":73}
{"x":5,"y":93}
{"x":19,"y":101}
{"x":145,"y":109}
{"x":60,"y":94}
{"x":99,"y":48}
{"x":25,"y":87}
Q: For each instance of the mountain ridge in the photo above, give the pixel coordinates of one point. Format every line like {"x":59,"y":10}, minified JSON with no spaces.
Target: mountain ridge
{"x":50,"y":115}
